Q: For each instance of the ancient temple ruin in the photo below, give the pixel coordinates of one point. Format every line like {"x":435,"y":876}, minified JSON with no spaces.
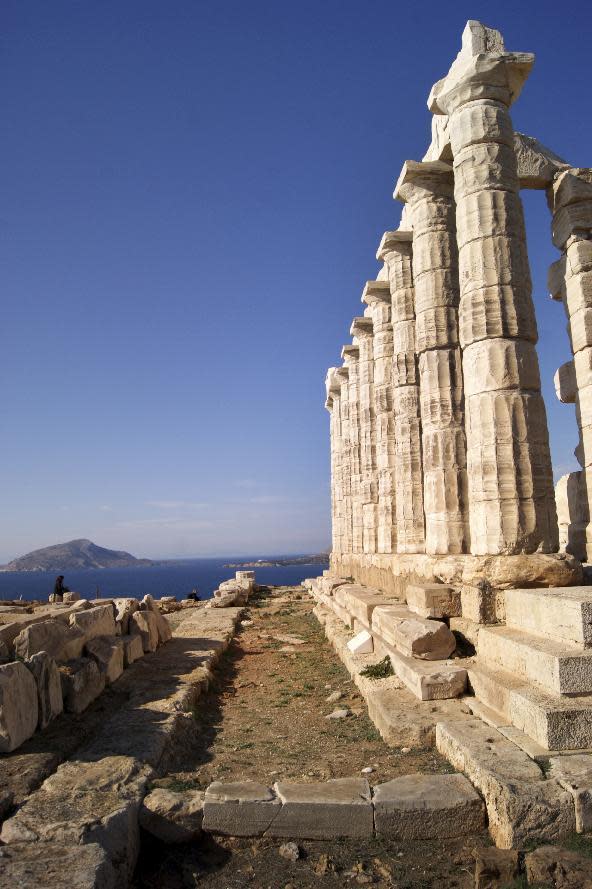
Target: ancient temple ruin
{"x":452,"y":554}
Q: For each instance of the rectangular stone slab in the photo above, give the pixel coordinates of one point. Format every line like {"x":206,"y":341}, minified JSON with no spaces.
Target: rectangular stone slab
{"x":557,"y":667}
{"x":561,"y":613}
{"x":428,"y":680}
{"x":433,"y":600}
{"x":239,"y":809}
{"x":425,"y":807}
{"x":337,"y":808}
{"x":412,"y":635}
{"x":360,"y":602}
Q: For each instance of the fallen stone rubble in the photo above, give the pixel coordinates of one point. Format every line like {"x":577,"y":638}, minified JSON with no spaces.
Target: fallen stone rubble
{"x":61,"y":657}
{"x":235,"y":592}
{"x":93,"y":802}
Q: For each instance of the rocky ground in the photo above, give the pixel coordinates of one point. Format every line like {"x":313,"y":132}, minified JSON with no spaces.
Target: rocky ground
{"x":265,"y":718}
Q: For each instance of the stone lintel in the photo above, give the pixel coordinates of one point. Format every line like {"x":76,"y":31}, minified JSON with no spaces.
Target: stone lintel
{"x":537,"y":164}
{"x":376,"y":291}
{"x":394,"y":242}
{"x":361,"y":326}
{"x":431,"y":176}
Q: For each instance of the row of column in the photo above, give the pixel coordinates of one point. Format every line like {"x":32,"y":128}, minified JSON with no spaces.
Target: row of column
{"x":442,"y":431}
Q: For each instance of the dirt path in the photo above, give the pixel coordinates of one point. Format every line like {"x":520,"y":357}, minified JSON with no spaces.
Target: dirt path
{"x":264,"y":718}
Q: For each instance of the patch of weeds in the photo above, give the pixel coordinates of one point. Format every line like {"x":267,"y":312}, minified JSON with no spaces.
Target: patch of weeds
{"x":178,"y":786}
{"x":380,"y":670}
{"x":578,"y":842}
{"x":245,"y":745}
{"x":545,"y":766}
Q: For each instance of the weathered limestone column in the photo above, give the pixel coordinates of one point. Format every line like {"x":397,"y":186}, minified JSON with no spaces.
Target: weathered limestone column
{"x":396,"y":251}
{"x":345,"y":517}
{"x":511,"y":498}
{"x":350,"y":355}
{"x":362,"y":333}
{"x":377,"y":296}
{"x":570,"y":279}
{"x":332,"y":403}
{"x":427,"y":190}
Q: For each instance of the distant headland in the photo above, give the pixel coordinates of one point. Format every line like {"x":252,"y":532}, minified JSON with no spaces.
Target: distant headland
{"x":317,"y":559}
{"x":74,"y":554}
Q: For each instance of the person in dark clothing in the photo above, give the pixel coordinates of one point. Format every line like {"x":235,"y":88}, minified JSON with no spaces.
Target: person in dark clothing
{"x":59,"y":589}
{"x":193,"y":595}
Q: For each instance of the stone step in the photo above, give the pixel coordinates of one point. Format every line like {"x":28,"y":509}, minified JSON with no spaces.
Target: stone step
{"x":428,"y":680}
{"x":563,"y":613}
{"x":557,"y":667}
{"x":433,"y":600}
{"x":360,"y":601}
{"x":553,"y":721}
{"x":411,"y":634}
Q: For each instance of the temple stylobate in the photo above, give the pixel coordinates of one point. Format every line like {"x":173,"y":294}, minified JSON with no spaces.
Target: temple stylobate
{"x":439,"y":436}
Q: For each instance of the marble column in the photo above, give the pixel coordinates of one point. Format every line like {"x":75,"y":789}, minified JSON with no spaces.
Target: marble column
{"x":355,"y":530}
{"x":570,"y":279}
{"x":344,"y":517}
{"x":362,"y":333}
{"x":332,"y":403}
{"x":427,"y":190}
{"x":395,"y":251}
{"x":377,"y":296}
{"x":510,"y":481}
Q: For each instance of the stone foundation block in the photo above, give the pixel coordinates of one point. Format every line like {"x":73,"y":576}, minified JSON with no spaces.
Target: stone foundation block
{"x":82,"y":682}
{"x":57,"y":864}
{"x":558,"y":613}
{"x":173,"y":817}
{"x":144,"y":624}
{"x":97,"y":621}
{"x":574,"y":773}
{"x":425,"y":807}
{"x":49,"y":687}
{"x":18,"y":706}
{"x":337,"y":808}
{"x":413,"y":636}
{"x":239,"y":809}
{"x":61,"y":642}
{"x":429,"y":681}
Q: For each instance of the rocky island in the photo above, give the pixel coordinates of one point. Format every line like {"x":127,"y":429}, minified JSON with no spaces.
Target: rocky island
{"x":74,"y":554}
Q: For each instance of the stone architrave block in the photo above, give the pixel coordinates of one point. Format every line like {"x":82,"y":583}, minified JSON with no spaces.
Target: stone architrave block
{"x":239,"y":809}
{"x":18,"y":706}
{"x":52,"y":636}
{"x":425,"y":807}
{"x":340,"y":807}
{"x":133,"y":649}
{"x":574,"y":773}
{"x":144,"y":624}
{"x":97,"y":621}
{"x":412,"y":635}
{"x":362,"y":643}
{"x":433,"y":600}
{"x":82,"y":682}
{"x":107,"y":651}
{"x":49,"y":687}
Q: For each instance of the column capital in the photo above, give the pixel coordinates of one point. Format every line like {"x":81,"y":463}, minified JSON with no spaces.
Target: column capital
{"x":361,"y":326}
{"x":376,"y":292}
{"x":332,"y":383}
{"x":423,"y":178}
{"x":570,"y":187}
{"x":350,"y":353}
{"x":342,"y":373}
{"x":395,"y":242}
{"x":483,"y":69}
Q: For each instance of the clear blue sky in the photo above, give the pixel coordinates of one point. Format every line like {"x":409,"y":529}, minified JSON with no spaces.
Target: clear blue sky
{"x":192,"y":197}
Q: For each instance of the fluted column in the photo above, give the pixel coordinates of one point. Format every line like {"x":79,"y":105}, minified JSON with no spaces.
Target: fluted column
{"x":332,"y":403}
{"x":377,"y":296}
{"x":570,"y":279}
{"x":427,"y":190}
{"x":345,"y":516}
{"x":511,"y":497}
{"x":350,"y":355}
{"x":396,"y":251}
{"x":361,"y":331}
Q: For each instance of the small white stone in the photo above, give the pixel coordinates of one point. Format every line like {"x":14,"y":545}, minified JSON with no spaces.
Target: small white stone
{"x":290,"y":851}
{"x":367,"y":771}
{"x":338,"y":714}
{"x":334,"y":697}
{"x":405,"y":749}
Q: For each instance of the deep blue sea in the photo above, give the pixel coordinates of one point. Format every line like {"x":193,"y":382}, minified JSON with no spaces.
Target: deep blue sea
{"x":172,"y":579}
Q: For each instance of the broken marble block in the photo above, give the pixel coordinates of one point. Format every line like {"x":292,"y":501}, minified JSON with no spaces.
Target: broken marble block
{"x":60,"y":641}
{"x":49,"y":687}
{"x":18,"y":706}
{"x":82,"y":682}
{"x":433,"y":600}
{"x":133,"y":649}
{"x":171,"y":816}
{"x":412,"y":635}
{"x":96,"y":621}
{"x":107,"y":651}
{"x":124,"y":608}
{"x":362,"y":643}
{"x":145,"y":625}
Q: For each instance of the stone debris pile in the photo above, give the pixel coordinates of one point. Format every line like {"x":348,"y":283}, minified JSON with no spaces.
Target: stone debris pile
{"x":61,"y":656}
{"x":235,"y":592}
